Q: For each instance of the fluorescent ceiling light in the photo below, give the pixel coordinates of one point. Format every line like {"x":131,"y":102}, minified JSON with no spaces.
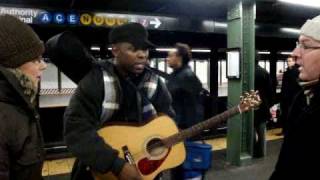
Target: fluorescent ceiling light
{"x":219,"y":24}
{"x":310,"y":3}
{"x":95,"y":48}
{"x":208,"y":23}
{"x":225,"y":25}
{"x":290,"y":30}
{"x":201,"y":50}
{"x":165,"y":49}
{"x":286,"y":52}
{"x":263,"y":52}
{"x":198,"y":50}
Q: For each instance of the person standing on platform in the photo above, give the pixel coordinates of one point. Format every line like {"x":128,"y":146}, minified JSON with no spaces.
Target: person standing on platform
{"x":185,"y":88}
{"x":263,"y":84}
{"x":290,"y":87}
{"x":300,"y":149}
{"x":21,"y":66}
{"x":119,"y":91}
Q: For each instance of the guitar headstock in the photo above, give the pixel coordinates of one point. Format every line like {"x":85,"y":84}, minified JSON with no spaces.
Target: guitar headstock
{"x":249,"y":101}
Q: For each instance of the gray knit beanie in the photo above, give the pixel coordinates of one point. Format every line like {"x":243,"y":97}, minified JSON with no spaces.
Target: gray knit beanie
{"x":312,"y":28}
{"x":18,"y":42}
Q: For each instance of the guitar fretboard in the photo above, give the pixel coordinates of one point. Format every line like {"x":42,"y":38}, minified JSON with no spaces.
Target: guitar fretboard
{"x":198,"y":128}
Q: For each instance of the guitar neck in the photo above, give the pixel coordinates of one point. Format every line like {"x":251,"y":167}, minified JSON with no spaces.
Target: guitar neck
{"x":198,"y":128}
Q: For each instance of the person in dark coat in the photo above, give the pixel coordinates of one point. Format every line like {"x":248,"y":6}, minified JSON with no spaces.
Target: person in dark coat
{"x":185,"y":88}
{"x":21,"y":66}
{"x":299,"y":149}
{"x":118,"y":91}
{"x":290,"y":87}
{"x":264,"y":85}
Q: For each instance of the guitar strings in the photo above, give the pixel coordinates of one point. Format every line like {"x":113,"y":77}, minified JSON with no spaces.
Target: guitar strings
{"x":149,"y":148}
{"x":160,"y":143}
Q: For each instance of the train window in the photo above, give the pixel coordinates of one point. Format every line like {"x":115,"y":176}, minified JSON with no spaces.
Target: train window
{"x":281,"y":67}
{"x":192,"y":64}
{"x":162,"y":64}
{"x":153,"y":63}
{"x":222,"y":79}
{"x":169,"y":69}
{"x":49,"y":79}
{"x":66,"y":82}
{"x":265,"y":64}
{"x":202,"y":69}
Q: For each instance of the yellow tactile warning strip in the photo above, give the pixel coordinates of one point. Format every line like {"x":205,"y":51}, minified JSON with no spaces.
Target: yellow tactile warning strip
{"x":55,"y":167}
{"x":273,"y":134}
{"x":217,"y":143}
{"x":221,"y":143}
{"x":64,"y":166}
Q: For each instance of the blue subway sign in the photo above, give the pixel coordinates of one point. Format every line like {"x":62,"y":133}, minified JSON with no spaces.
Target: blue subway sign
{"x":59,"y":18}
{"x":101,"y":19}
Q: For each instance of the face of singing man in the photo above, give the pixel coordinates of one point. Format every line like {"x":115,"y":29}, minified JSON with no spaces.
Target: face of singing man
{"x":130,"y":59}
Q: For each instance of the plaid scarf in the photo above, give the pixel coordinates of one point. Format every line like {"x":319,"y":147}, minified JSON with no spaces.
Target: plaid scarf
{"x":28,"y":87}
{"x":307,"y":88}
{"x":111,"y":103}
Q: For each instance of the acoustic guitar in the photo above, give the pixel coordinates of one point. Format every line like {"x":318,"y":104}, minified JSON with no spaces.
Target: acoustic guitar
{"x":158,"y":145}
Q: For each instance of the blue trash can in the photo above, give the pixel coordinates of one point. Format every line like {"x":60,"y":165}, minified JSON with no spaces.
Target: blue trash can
{"x":192,"y":175}
{"x":198,"y":160}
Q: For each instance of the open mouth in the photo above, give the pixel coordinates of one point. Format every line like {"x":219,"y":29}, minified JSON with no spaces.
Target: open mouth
{"x":139,"y":66}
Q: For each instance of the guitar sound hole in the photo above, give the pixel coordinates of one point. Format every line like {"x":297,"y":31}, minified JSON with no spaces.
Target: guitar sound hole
{"x":155,"y":147}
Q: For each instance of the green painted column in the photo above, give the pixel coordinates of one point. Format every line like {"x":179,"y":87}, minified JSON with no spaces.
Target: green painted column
{"x":241,"y":34}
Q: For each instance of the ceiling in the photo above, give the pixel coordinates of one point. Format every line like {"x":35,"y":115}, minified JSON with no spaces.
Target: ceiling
{"x":268,"y":11}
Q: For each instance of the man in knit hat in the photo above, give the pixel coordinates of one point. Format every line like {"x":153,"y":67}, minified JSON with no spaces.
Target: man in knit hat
{"x":21,"y":66}
{"x":300,"y":152}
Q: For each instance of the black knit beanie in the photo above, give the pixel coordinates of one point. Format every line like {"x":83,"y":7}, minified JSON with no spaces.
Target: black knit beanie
{"x":18,"y":42}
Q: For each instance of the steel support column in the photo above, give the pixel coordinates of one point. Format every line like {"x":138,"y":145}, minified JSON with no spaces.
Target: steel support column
{"x":241,"y":34}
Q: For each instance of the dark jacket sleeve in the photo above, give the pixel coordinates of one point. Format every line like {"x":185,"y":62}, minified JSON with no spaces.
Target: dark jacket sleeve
{"x":284,"y":96}
{"x":4,"y":159}
{"x":162,"y":100}
{"x":264,"y":85}
{"x":82,"y":119}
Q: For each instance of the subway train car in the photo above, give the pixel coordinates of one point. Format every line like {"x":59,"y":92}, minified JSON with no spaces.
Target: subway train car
{"x":269,"y":31}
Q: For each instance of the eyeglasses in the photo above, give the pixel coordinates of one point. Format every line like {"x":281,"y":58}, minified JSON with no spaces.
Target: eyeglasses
{"x":305,"y":47}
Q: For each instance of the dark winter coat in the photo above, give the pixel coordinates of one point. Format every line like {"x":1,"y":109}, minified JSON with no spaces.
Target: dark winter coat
{"x":289,"y":89}
{"x":82,"y":120}
{"x":264,"y":85}
{"x":21,"y":144}
{"x":185,"y":88}
{"x":300,"y":149}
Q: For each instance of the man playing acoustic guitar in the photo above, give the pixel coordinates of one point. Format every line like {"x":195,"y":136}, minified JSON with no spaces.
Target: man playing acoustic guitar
{"x":121,"y":90}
